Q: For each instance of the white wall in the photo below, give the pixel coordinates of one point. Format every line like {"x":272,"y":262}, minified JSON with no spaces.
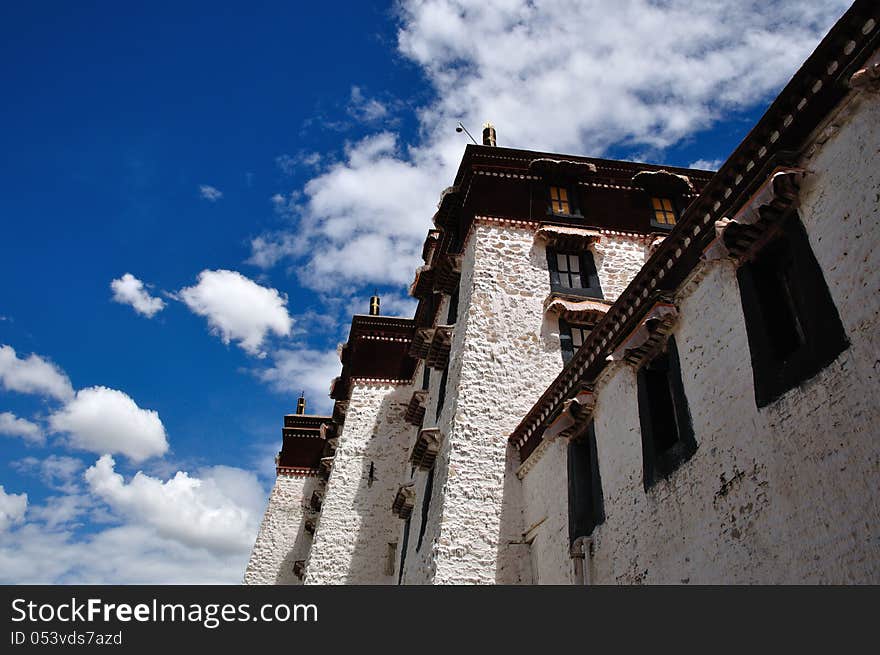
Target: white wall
{"x":282,"y":540}
{"x":785,"y":494}
{"x":356,"y":523}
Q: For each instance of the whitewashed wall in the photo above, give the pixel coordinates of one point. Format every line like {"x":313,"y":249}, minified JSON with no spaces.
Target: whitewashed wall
{"x":356,"y":523}
{"x":282,"y":540}
{"x":785,"y":494}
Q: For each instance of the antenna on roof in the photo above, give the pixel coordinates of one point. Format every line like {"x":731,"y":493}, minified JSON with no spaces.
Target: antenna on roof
{"x":461,"y":128}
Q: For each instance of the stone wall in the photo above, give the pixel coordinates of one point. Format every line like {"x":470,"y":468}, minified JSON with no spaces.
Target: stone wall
{"x":504,"y":353}
{"x":356,"y":523}
{"x":282,"y":539}
{"x":784,"y":494}
{"x":618,"y":258}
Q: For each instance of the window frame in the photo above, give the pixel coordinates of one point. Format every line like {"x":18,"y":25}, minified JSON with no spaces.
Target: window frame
{"x":566,"y":337}
{"x":591,"y":286}
{"x":659,"y":465}
{"x":815,"y":319}
{"x":572,"y":200}
{"x":676,"y":211}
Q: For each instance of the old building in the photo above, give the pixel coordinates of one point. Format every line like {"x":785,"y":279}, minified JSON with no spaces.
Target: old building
{"x":619,"y":372}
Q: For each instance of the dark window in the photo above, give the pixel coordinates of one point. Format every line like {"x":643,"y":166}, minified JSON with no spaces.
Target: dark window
{"x":426,"y":505}
{"x":441,"y":393}
{"x":403,"y":550}
{"x":585,"y":504}
{"x":667,"y":434}
{"x":571,"y":337}
{"x":665,"y":215}
{"x":426,"y":376}
{"x":793,"y":326}
{"x":452,"y":315}
{"x":574,"y":273}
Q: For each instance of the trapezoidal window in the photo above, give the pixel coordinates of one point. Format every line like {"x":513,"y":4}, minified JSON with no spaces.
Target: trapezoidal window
{"x":793,"y":327}
{"x":585,"y":504}
{"x":571,"y":338}
{"x":664,"y":417}
{"x":573,"y":273}
{"x":665,"y":215}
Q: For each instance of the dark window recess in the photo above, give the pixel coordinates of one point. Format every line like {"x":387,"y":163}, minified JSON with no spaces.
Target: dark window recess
{"x":441,"y":393}
{"x":793,"y":326}
{"x":571,"y":337}
{"x":585,"y":505}
{"x":426,"y":505}
{"x":667,"y":433}
{"x":426,"y":376}
{"x":452,"y":315}
{"x":403,"y":550}
{"x":574,"y":273}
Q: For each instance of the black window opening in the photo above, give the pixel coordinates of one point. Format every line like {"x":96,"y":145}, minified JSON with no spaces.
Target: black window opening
{"x":426,"y":505}
{"x":441,"y":393}
{"x":586,"y":507}
{"x":574,"y":273}
{"x":571,"y":338}
{"x":426,"y":376}
{"x":403,"y":548}
{"x":793,"y":326}
{"x":667,"y":432}
{"x":452,"y":314}
{"x":664,"y":213}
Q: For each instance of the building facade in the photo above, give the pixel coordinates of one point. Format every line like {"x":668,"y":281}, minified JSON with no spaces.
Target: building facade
{"x":619,"y":372}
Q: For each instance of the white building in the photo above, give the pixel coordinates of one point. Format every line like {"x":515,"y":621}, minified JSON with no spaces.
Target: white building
{"x":619,"y":372}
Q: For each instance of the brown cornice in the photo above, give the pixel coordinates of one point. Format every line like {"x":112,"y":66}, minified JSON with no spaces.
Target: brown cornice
{"x":814,"y":91}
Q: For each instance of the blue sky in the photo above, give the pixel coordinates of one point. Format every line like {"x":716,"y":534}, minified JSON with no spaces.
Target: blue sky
{"x":258,"y":169}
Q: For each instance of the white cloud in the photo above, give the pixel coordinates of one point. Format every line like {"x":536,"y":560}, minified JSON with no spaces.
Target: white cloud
{"x":128,"y":290}
{"x":12,"y":426}
{"x":58,"y":472}
{"x":102,"y":420}
{"x":217,"y":511}
{"x":306,"y":369}
{"x":364,"y":109}
{"x":33,"y":375}
{"x":707,"y":164}
{"x":189,"y":529}
{"x":12,"y":508}
{"x":566,"y":75}
{"x":238,"y":309}
{"x":210,"y":193}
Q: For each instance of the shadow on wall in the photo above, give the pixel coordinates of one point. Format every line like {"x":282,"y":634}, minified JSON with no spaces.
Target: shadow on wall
{"x":302,"y":542}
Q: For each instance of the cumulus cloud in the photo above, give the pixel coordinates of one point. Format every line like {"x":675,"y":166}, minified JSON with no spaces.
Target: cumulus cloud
{"x":210,"y":193}
{"x":12,"y":426}
{"x":33,"y":375}
{"x":217,"y":511}
{"x":187,"y":529}
{"x":238,"y":309}
{"x":102,"y":420}
{"x":306,"y":369}
{"x":563,"y":75}
{"x":12,"y":508}
{"x":128,"y":290}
